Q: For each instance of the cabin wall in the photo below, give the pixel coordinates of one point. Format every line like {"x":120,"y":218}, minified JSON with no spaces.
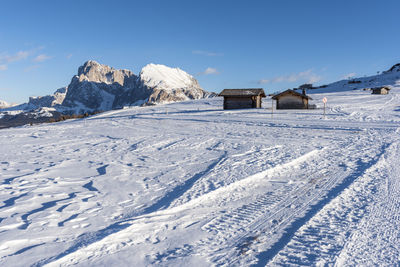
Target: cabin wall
{"x":238,"y":102}
{"x":380,"y":92}
{"x":291,"y":102}
{"x":258,"y":100}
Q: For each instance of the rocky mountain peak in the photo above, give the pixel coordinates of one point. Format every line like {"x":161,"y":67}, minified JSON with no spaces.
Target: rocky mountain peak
{"x":88,"y":66}
{"x":93,"y":71}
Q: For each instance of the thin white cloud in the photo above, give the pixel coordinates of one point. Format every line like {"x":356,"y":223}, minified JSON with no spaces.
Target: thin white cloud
{"x":206,"y":53}
{"x":20,"y":55}
{"x":263,"y":81}
{"x":307,"y":76}
{"x":6,"y":58}
{"x":69,"y":56}
{"x":349,"y":75}
{"x":209,"y":71}
{"x":41,"y":58}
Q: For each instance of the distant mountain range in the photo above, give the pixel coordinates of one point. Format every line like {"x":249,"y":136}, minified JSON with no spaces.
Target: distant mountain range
{"x":98,"y":87}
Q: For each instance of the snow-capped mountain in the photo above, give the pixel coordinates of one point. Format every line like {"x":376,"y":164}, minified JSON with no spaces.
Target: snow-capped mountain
{"x":169,"y":84}
{"x":100,"y":87}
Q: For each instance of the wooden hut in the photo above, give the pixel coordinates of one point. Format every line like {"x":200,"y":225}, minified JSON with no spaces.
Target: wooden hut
{"x":242,"y":98}
{"x":380,"y":90}
{"x":290,"y":99}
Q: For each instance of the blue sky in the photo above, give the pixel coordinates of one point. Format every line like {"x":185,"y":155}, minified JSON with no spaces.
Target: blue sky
{"x":225,"y":44}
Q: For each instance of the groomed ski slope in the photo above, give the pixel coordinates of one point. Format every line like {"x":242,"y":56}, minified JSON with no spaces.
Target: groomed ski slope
{"x":189,"y":184}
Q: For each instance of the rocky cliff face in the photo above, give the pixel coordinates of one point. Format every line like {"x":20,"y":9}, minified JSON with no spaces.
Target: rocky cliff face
{"x":100,"y":87}
{"x":97,"y":87}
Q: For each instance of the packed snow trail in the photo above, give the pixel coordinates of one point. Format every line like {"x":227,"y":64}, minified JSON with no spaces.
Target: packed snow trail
{"x":199,"y":185}
{"x":376,"y":239}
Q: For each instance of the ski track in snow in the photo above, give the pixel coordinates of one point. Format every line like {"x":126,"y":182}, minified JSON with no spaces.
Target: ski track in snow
{"x":203,"y":186}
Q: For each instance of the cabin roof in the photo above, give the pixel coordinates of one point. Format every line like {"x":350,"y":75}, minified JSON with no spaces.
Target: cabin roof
{"x":290,"y":92}
{"x":243,"y":92}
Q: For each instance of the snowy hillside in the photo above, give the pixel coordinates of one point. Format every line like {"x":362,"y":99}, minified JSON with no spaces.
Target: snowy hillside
{"x":389,"y":78}
{"x":189,"y":184}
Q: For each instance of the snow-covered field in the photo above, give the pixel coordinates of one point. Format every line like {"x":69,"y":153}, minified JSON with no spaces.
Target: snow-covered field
{"x":188,"y":184}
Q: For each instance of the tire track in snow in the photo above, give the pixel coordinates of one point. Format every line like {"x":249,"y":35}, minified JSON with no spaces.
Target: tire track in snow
{"x":320,"y":240}
{"x":381,"y":223}
{"x":236,"y":224}
{"x":278,"y":217}
{"x":111,"y":233}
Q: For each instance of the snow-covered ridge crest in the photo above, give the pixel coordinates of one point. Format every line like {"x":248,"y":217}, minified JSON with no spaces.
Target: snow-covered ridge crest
{"x":169,"y":84}
{"x":163,"y":77}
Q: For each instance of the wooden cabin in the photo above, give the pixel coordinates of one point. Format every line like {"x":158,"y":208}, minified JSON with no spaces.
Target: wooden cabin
{"x":380,"y":90}
{"x":242,"y":98}
{"x":290,"y":99}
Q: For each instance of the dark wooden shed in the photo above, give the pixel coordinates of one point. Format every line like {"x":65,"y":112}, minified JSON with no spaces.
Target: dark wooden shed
{"x":242,"y":98}
{"x":384,"y":90}
{"x":290,"y":99}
